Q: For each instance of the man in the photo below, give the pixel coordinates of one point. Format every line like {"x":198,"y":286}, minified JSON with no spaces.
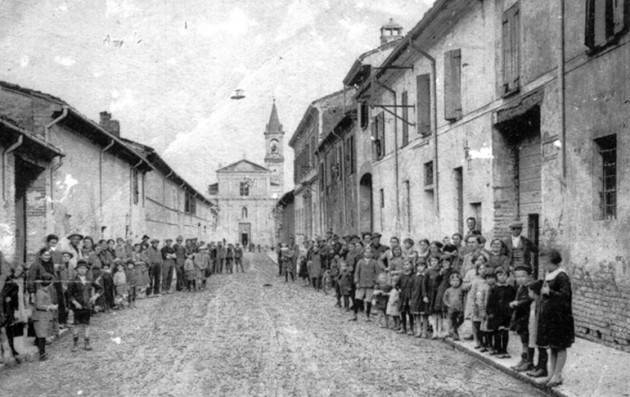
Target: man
{"x":180,"y":259}
{"x":74,"y":247}
{"x":385,"y":258}
{"x":521,"y":251}
{"x":221,"y":253}
{"x":212,"y":249}
{"x":238,"y":258}
{"x":154,"y":256}
{"x":471,"y":224}
{"x":52,"y":242}
{"x":473,"y":248}
{"x":168,"y":265}
{"x":367,"y":239}
{"x":378,"y":249}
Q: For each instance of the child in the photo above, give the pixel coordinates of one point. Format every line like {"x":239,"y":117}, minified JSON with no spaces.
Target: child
{"x":420,"y":300}
{"x":120,"y":284}
{"x":439,"y":308}
{"x":520,"y":318}
{"x":108,"y":286}
{"x":365,"y":278}
{"x":334,"y":276}
{"x":453,"y":300}
{"x":499,"y":312}
{"x":556,"y":329}
{"x":473,"y":307}
{"x":488,"y":331}
{"x":82,"y":293}
{"x":345,"y":284}
{"x":405,"y":286}
{"x":189,"y":272}
{"x":396,"y":264}
{"x":201,"y":261}
{"x":540,"y":371}
{"x":143,"y":278}
{"x":471,"y":277}
{"x":132,"y":283}
{"x":315,"y":268}
{"x":432,"y":281}
{"x":43,"y":314}
{"x":393,"y":307}
{"x":381,"y":297}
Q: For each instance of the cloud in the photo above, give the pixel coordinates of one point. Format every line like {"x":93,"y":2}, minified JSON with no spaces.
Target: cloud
{"x":64,"y":60}
{"x":237,"y":23}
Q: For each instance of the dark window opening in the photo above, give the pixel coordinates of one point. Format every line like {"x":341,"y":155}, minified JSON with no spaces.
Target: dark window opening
{"x":606,"y":167}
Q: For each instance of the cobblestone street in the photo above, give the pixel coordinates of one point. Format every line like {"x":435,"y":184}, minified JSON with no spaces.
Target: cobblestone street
{"x":242,"y":338}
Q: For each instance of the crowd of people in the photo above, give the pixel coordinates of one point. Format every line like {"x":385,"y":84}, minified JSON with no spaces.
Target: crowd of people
{"x":459,"y":286}
{"x":63,"y":286}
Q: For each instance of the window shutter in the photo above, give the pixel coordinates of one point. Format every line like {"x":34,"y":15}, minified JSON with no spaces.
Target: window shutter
{"x":405,"y":116}
{"x":452,"y":85}
{"x":515,"y":26}
{"x":381,"y":130}
{"x":507,"y":54}
{"x":589,"y":31}
{"x":621,"y":11}
{"x":423,"y":103}
{"x":375,"y":145}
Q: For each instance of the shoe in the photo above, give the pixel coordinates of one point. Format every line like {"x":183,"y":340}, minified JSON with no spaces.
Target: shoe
{"x":469,"y":337}
{"x":353,"y":319}
{"x":537,"y":373}
{"x":455,"y":337}
{"x":402,"y":331}
{"x":523,"y":367}
{"x":478,"y":347}
{"x":554,"y":382}
{"x":43,"y":357}
{"x":75,"y":344}
{"x":87,"y":345}
{"x":483,"y":350}
{"x":505,"y":355}
{"x":494,"y":353}
{"x":410,"y":333}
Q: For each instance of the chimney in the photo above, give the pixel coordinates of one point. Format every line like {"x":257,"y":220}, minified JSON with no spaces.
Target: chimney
{"x":109,"y":125}
{"x":391,"y":31}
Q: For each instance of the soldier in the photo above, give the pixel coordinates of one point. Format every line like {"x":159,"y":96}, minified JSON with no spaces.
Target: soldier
{"x":154,"y":257}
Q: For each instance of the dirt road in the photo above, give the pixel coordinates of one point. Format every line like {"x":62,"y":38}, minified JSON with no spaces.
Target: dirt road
{"x":241,"y":338}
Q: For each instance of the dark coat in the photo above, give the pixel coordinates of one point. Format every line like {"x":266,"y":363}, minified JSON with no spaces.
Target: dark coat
{"x":556,"y":328}
{"x":438,"y":305}
{"x":77,"y":291}
{"x":499,"y":311}
{"x":345,"y":282}
{"x":520,"y":314}
{"x":418,"y":293}
{"x":529,"y":251}
{"x":432,"y":282}
{"x":405,"y":285}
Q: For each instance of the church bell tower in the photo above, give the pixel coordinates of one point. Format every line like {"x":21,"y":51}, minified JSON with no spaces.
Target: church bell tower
{"x":274,"y":157}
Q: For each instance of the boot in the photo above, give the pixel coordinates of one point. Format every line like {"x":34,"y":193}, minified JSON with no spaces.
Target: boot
{"x":75,"y":344}
{"x":41,"y":346}
{"x":87,"y":344}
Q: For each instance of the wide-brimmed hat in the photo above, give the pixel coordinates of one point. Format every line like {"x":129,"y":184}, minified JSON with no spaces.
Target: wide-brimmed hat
{"x":75,"y":234}
{"x":516,"y":225}
{"x":82,"y":262}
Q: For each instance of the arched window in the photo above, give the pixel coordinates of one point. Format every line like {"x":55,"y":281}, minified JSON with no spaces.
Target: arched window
{"x":244,"y":213}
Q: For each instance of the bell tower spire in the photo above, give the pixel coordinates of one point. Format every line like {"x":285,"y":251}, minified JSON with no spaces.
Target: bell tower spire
{"x":274,"y":143}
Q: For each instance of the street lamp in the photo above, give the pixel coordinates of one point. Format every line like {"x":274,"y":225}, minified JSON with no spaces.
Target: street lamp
{"x":238,"y":94}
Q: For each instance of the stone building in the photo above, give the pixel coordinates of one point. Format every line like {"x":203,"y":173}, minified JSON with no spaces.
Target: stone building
{"x":508,"y":110}
{"x":69,"y":174}
{"x":246,"y":193}
{"x":345,"y":150}
{"x":284,"y":218}
{"x":309,"y":175}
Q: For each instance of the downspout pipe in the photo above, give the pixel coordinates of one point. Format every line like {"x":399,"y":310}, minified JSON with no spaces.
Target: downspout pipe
{"x":133,"y":169}
{"x":47,"y":127}
{"x":434,"y":122}
{"x":393,"y":92}
{"x":561,"y":83}
{"x":100,"y":175}
{"x":5,"y":154}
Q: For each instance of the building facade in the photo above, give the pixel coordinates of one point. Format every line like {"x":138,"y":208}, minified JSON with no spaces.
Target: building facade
{"x":246,"y":193}
{"x":505,"y":110}
{"x":70,"y":174}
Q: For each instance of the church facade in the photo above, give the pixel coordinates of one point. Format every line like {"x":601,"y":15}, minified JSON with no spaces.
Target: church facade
{"x":246,"y":192}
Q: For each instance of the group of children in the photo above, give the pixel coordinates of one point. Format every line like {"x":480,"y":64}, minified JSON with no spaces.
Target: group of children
{"x":432,"y":292}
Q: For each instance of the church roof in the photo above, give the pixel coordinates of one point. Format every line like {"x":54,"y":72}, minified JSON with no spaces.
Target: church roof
{"x":274,"y":126}
{"x":244,"y":166}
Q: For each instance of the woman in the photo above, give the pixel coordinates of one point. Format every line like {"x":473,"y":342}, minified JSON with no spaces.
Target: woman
{"x":423,"y":248}
{"x":555,"y":322}
{"x":89,"y":252}
{"x":497,"y":257}
{"x":43,"y":266}
{"x":13,"y":313}
{"x":44,"y":313}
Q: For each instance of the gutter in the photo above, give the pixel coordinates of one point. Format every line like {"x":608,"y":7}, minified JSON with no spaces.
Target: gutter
{"x":6,"y":152}
{"x":100,"y":175}
{"x":561,"y":83}
{"x":48,"y":126}
{"x":434,"y":121}
{"x":393,"y":92}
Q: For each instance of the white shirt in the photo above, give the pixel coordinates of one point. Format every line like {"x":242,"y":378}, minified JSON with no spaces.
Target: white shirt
{"x":516,"y":241}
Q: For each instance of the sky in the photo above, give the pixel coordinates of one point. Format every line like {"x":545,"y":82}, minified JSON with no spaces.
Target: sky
{"x":166,"y":69}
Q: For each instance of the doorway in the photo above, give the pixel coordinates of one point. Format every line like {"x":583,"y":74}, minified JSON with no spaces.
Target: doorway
{"x":366,"y":217}
{"x":245,"y":232}
{"x":25,"y":175}
{"x":244,"y":239}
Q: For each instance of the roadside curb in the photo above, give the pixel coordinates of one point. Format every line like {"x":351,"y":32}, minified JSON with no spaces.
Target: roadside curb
{"x":504,"y":369}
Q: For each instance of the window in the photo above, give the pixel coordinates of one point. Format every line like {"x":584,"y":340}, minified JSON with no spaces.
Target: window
{"x":244,"y":212}
{"x":511,"y":50}
{"x":378,"y":134}
{"x":364,"y":114}
{"x":606,"y":20}
{"x":605,"y":169}
{"x":350,"y":157}
{"x":452,"y":85}
{"x":190,"y":204}
{"x":382,"y":197}
{"x":423,"y":104}
{"x":428,"y":174}
{"x":244,"y":188}
{"x":135,"y":186}
{"x":405,"y":116}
